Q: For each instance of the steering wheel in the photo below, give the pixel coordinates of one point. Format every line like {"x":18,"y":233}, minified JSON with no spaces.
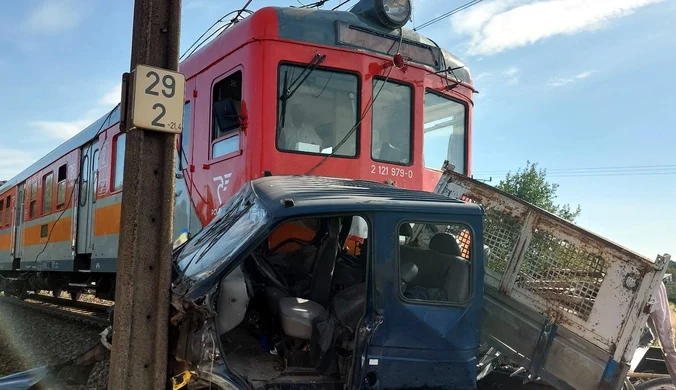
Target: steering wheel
{"x":270,"y":273}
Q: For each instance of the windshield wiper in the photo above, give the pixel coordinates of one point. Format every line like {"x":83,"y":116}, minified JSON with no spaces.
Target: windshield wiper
{"x":291,"y":88}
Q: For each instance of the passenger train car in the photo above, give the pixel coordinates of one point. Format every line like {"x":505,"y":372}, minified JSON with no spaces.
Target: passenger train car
{"x":284,"y":91}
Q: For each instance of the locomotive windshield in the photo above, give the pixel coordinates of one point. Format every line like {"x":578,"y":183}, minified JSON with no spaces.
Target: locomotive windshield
{"x":320,"y":114}
{"x":392,"y":125}
{"x":444,"y":137}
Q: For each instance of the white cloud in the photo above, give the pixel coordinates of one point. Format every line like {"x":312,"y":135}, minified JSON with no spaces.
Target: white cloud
{"x":512,"y":75}
{"x":53,"y":17}
{"x":63,"y":130}
{"x":482,"y":76}
{"x":60,"y":130}
{"x":113,"y":96}
{"x":561,"y":81}
{"x":13,"y":161}
{"x":500,"y":25}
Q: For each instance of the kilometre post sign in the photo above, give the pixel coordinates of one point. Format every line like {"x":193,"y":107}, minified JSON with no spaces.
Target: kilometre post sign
{"x":158,"y":99}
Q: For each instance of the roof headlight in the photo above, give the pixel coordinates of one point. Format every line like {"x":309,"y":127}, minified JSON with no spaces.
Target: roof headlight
{"x":393,"y":13}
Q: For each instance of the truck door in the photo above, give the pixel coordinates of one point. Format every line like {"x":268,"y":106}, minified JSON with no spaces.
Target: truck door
{"x":17,"y":248}
{"x":421,"y":329}
{"x":86,"y":196}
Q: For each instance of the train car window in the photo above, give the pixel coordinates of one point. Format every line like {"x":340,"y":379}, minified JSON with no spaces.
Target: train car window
{"x":33,"y":199}
{"x":392,"y":127}
{"x":8,"y":213}
{"x":225,"y":115}
{"x":444,"y":132}
{"x":118,"y":173}
{"x":61,"y":186}
{"x":84,"y":181}
{"x":317,"y":111}
{"x":2,"y":209}
{"x":185,"y":137}
{"x":47,"y":191}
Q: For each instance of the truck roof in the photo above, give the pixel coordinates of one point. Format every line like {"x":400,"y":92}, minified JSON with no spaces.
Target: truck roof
{"x":292,"y":194}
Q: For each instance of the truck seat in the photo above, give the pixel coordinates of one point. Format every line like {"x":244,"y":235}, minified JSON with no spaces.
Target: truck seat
{"x":297,"y":314}
{"x":456,"y":275}
{"x":442,"y":274}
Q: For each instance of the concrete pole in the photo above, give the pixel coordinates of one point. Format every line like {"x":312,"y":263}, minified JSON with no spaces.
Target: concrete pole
{"x":140,"y":329}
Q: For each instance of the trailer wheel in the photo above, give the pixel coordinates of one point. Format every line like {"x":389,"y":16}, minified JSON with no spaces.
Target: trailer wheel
{"x":657,"y":384}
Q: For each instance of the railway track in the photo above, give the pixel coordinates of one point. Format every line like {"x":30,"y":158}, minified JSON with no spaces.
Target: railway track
{"x":87,"y":312}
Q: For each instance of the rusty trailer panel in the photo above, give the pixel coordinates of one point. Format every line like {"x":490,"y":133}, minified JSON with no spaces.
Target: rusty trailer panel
{"x":548,"y":277}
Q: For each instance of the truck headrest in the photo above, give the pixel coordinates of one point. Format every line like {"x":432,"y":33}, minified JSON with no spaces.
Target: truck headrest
{"x":445,"y":243}
{"x":406,"y":230}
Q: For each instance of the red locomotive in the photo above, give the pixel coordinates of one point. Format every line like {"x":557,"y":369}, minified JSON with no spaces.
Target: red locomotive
{"x":284,"y":91}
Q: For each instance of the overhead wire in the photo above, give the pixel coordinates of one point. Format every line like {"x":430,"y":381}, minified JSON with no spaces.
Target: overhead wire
{"x":631,"y":170}
{"x":672,"y":166}
{"x":340,"y":5}
{"x":201,"y":40}
{"x":317,"y":4}
{"x":447,"y":14}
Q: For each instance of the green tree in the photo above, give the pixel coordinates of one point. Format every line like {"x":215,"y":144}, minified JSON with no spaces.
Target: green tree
{"x":531,"y":185}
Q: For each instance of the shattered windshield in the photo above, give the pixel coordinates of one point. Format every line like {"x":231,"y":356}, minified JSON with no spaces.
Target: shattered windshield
{"x":214,"y":246}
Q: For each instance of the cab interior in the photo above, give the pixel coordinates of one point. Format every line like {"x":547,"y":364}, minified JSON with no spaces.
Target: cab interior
{"x":290,"y":312}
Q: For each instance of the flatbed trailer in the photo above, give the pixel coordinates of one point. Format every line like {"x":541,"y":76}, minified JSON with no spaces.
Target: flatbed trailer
{"x":566,"y":305}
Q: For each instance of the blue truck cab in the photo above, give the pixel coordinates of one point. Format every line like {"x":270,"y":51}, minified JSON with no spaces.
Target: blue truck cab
{"x":271,"y":295}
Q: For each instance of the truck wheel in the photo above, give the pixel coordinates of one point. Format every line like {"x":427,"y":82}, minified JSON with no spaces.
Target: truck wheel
{"x":657,"y":384}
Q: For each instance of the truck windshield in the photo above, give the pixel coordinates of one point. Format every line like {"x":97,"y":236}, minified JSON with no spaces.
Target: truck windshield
{"x":444,"y":132}
{"x":223,"y":238}
{"x":319,"y":114}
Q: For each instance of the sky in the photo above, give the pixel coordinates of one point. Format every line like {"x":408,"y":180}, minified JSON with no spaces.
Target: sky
{"x":577,"y":86}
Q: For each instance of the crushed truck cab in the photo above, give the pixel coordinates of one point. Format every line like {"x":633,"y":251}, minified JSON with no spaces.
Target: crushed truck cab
{"x":270,"y":296}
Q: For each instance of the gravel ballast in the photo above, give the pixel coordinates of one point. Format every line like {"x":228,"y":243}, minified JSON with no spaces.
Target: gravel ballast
{"x":30,"y":339}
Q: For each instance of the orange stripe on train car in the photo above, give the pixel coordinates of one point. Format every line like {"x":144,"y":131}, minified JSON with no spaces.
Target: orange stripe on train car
{"x":59,"y":233}
{"x":107,"y":220}
{"x":5,"y":241}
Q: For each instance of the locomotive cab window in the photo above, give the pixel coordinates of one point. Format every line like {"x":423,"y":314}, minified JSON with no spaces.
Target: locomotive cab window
{"x":435,"y":266}
{"x":184,"y":158}
{"x":61,"y":186}
{"x":317,"y":111}
{"x":444,"y":132}
{"x":391,"y":123}
{"x":225,"y":116}
{"x":118,"y":174}
{"x":2,"y":209}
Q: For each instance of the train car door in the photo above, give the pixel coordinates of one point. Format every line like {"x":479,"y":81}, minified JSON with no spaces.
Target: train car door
{"x":220,"y":142}
{"x":86,"y":198}
{"x":184,"y":212}
{"x":17,"y":245}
